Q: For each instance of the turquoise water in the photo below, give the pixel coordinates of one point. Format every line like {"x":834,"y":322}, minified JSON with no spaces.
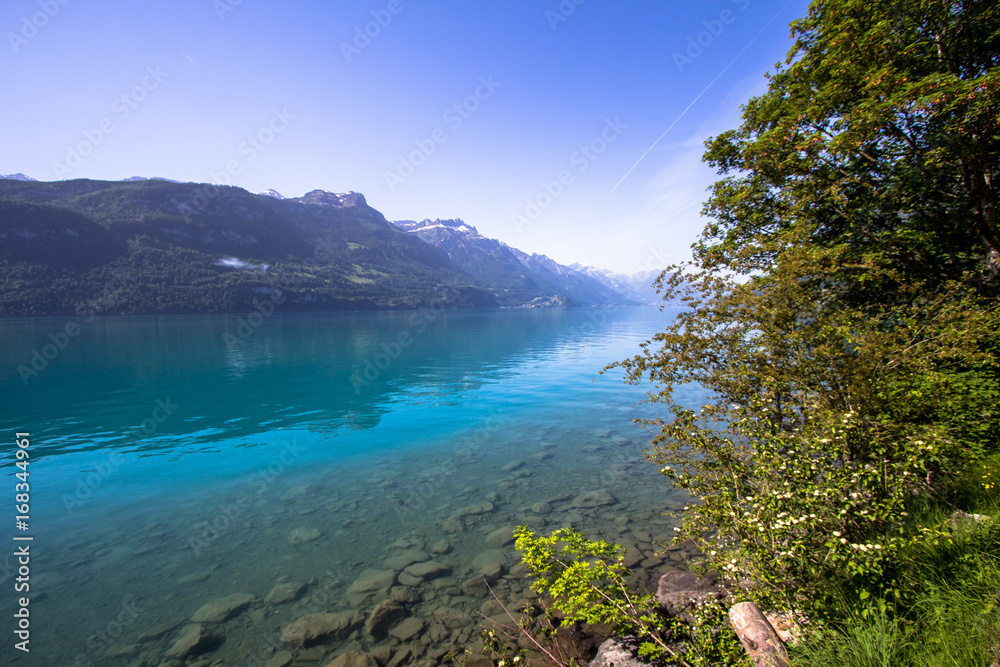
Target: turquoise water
{"x":164,"y":447}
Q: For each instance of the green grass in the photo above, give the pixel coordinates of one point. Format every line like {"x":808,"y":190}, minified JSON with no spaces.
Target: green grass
{"x":948,"y":611}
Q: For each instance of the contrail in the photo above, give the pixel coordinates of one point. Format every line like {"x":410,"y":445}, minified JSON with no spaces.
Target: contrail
{"x":695,"y":100}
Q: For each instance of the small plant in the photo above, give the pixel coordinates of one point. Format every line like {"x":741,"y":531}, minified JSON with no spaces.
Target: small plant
{"x":586,"y":581}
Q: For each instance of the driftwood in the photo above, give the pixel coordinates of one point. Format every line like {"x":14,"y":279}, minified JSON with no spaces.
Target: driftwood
{"x":757,"y":636}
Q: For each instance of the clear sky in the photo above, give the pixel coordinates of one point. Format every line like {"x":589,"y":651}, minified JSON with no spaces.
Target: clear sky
{"x":521,"y":117}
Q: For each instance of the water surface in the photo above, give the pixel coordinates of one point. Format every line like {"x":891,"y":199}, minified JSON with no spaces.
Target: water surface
{"x":178,"y":460}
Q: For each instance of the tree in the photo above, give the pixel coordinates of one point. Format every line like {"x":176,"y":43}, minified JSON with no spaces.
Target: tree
{"x":842,"y":303}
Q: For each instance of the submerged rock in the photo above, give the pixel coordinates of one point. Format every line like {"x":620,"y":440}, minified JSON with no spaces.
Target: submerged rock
{"x":159,"y":629}
{"x":353,"y":659}
{"x":452,"y":618}
{"x":488,"y":557}
{"x":382,"y":617}
{"x":314,"y":628}
{"x":192,"y":640}
{"x":194,"y":578}
{"x":591,"y":499}
{"x":219,"y":610}
{"x":408,"y":629}
{"x":471,"y":510}
{"x":284,"y":593}
{"x":370,"y":584}
{"x":501,"y":537}
{"x":429,"y":570}
{"x":280,"y":659}
{"x":406,"y":558}
{"x":303,"y":535}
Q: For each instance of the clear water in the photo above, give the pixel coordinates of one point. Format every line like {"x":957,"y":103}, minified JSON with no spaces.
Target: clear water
{"x":172,"y":458}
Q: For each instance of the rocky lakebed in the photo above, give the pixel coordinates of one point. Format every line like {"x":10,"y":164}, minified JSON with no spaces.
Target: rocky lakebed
{"x":372,"y":565}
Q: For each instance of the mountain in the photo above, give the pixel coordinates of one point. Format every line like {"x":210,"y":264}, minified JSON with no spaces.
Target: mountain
{"x":16,"y":177}
{"x":152,"y":178}
{"x":511,"y":272}
{"x":153,"y":246}
{"x":638,"y":287}
{"x":272,"y":193}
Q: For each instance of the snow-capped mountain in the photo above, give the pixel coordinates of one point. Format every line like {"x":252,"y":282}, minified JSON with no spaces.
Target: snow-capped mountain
{"x":638,"y":286}
{"x":272,"y":193}
{"x":151,"y":178}
{"x":18,"y":177}
{"x":509,"y":268}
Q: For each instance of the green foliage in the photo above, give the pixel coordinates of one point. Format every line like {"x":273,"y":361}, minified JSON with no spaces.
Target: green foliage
{"x":158,"y":245}
{"x":843,"y":309}
{"x":586,"y":578}
{"x":949,"y":617}
{"x":586,"y":581}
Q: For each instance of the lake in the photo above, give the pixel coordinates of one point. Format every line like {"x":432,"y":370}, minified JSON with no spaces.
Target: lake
{"x":308,"y":463}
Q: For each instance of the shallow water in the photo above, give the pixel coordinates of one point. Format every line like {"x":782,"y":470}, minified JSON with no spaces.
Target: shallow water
{"x":179,"y":460}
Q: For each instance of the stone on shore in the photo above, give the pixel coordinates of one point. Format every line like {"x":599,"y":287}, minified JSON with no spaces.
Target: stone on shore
{"x":618,"y":652}
{"x":678,"y":592}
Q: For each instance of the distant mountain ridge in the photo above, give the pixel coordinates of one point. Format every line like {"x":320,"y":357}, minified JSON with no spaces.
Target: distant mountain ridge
{"x":157,"y":246}
{"x":510,"y":269}
{"x":637,"y":287}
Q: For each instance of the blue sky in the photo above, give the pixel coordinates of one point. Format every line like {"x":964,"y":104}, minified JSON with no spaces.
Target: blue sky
{"x":519,"y":117}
